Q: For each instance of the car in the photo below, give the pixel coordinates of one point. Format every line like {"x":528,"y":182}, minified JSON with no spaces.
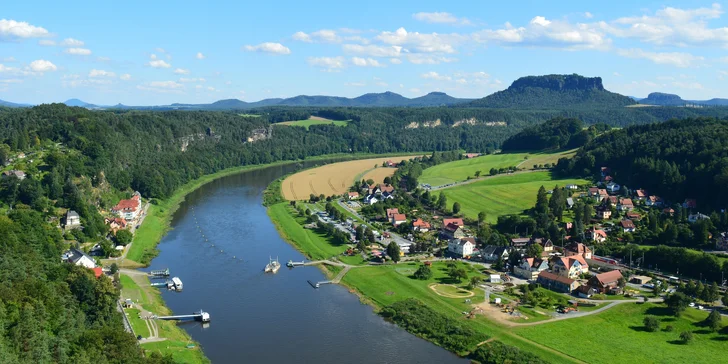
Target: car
{"x":692,"y":304}
{"x":139,"y":337}
{"x":700,"y":307}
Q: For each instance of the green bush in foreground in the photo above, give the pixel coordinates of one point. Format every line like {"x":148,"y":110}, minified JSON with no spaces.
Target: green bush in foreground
{"x":496,"y":352}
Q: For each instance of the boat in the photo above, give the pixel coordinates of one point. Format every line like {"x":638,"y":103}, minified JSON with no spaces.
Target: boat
{"x":272,"y":266}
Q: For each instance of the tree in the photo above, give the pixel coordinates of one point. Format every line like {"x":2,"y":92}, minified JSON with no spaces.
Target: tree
{"x":387,"y":180}
{"x":393,"y":251}
{"x":361,"y":245}
{"x":114,"y":268}
{"x":493,"y":171}
{"x":677,"y":302}
{"x":481,"y":217}
{"x":423,"y":272}
{"x":713,"y":321}
{"x":499,"y":264}
{"x":124,"y":237}
{"x":477,"y":173}
{"x":456,"y":207}
{"x":686,"y":337}
{"x":457,"y":274}
{"x":534,"y":250}
{"x":711,"y":294}
{"x":725,"y":299}
{"x":542,"y":201}
{"x":442,"y":201}
{"x":652,"y":324}
{"x":474,"y":282}
{"x":370,"y":181}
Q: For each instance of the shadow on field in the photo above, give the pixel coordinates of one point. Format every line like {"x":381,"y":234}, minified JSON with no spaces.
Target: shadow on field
{"x":658,"y":311}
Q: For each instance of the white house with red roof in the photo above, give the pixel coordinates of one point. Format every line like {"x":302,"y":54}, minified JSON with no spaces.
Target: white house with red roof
{"x":129,"y":209}
{"x":463,"y":246}
{"x":571,"y":267}
{"x":398,"y":219}
{"x":421,"y":225}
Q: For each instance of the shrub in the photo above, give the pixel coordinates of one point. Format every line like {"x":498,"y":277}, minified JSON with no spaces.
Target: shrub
{"x":669,"y":328}
{"x":686,"y":337}
{"x":652,"y":324}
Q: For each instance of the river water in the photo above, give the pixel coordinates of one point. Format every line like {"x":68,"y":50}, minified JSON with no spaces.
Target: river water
{"x":259,"y":318}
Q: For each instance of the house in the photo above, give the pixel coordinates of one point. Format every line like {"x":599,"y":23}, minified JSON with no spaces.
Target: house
{"x":421,"y":225}
{"x":491,"y":253}
{"x":380,"y":189}
{"x":613,"y":187}
{"x":456,"y":221}
{"x":520,"y":243}
{"x":640,"y":195}
{"x":556,"y":282}
{"x":73,"y":221}
{"x":398,"y":219}
{"x":115,"y":223}
{"x":610,"y":201}
{"x":392,"y":164}
{"x":569,"y":202}
{"x":462,"y":246}
{"x":653,"y":201}
{"x":633,"y":216}
{"x":391,"y":212}
{"x":571,"y":267}
{"x":572,"y":187}
{"x":640,"y":279}
{"x":721,"y":243}
{"x":98,"y":271}
{"x":495,"y":278}
{"x":529,"y":268}
{"x":606,"y":282}
{"x":690,"y":203}
{"x":597,"y":235}
{"x":77,"y":257}
{"x":129,"y":209}
{"x":603,"y":194}
{"x":353,"y":195}
{"x":628,"y":226}
{"x":625,"y":204}
{"x":692,"y":218}
{"x":593,"y":192}
{"x":603,"y":213}
{"x":452,"y":231}
{"x":371,"y":199}
{"x":668,"y":211}
{"x":585,"y":291}
{"x":548,"y":245}
{"x":471,"y":155}
{"x":14,"y":173}
{"x":578,"y":249}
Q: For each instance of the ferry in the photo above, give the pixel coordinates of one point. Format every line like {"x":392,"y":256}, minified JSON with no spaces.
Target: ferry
{"x":272,"y":266}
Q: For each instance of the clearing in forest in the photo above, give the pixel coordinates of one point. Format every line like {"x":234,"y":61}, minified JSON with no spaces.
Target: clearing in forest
{"x":314,"y":120}
{"x":335,"y":178}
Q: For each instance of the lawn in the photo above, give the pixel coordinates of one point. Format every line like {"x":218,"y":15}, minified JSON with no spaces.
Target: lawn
{"x":314,"y":120}
{"x":137,"y":324}
{"x":503,"y":195}
{"x":314,"y":245}
{"x":617,"y":335}
{"x":451,"y":172}
{"x":385,"y":285}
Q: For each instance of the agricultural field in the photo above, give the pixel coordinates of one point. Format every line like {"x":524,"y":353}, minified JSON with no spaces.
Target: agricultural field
{"x":314,"y":120}
{"x":333,"y":179}
{"x":618,"y":335}
{"x":456,"y":171}
{"x":504,"y":194}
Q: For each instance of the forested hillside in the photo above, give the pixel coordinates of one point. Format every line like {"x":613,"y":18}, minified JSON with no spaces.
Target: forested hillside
{"x":676,"y":160}
{"x":553,"y":134}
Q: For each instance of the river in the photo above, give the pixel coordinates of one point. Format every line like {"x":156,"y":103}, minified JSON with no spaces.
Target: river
{"x":258,"y":318}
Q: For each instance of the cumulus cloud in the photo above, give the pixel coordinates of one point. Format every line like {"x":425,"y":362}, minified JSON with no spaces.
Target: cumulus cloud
{"x":422,"y":42}
{"x":542,"y":32}
{"x":677,"y":59}
{"x":418,"y":58}
{"x":672,"y":26}
{"x":372,"y":50}
{"x":12,"y":29}
{"x":355,"y":84}
{"x":319,"y":36}
{"x":157,"y":63}
{"x":268,"y":47}
{"x":78,"y":51}
{"x":162,"y":87}
{"x":432,"y":75}
{"x":365,"y":62}
{"x":588,"y":15}
{"x":70,"y":42}
{"x":182,"y":71}
{"x":200,"y":55}
{"x":101,"y":73}
{"x":41,"y":65}
{"x":125,"y":77}
{"x":188,"y":80}
{"x":331,"y":64}
{"x":440,"y":18}
{"x":47,"y":42}
{"x":302,"y":37}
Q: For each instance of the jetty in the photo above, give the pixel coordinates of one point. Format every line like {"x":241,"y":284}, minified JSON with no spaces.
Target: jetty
{"x":175,"y":284}
{"x":197,"y":316}
{"x":292,"y":264}
{"x":160,"y":273}
{"x":318,"y":284}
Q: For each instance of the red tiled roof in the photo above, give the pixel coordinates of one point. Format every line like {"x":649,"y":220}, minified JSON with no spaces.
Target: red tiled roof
{"x":608,"y":277}
{"x":452,"y":221}
{"x":386,"y":188}
{"x":130,"y":204}
{"x":399,"y":217}
{"x":600,"y":233}
{"x":353,"y":194}
{"x":556,"y":277}
{"x":98,"y":272}
{"x":626,"y":202}
{"x":627,"y":224}
{"x":391,"y":212}
{"x":452,"y":227}
{"x":641,"y":193}
{"x":421,"y":224}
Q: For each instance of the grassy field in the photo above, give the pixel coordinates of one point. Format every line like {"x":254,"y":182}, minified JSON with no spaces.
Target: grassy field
{"x":451,"y":172}
{"x":139,"y":290}
{"x":331,"y":179}
{"x":381,"y":286}
{"x":314,"y":120}
{"x":617,"y":335}
{"x":503,"y":195}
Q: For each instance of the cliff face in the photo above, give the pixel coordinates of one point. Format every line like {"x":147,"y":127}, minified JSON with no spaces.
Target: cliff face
{"x":559,"y":82}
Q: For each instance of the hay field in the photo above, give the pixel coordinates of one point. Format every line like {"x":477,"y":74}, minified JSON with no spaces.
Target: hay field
{"x":335,"y":178}
{"x":378,"y":174}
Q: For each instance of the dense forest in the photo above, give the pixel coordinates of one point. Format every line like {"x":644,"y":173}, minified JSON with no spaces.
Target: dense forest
{"x":675,"y":160}
{"x":557,"y":133}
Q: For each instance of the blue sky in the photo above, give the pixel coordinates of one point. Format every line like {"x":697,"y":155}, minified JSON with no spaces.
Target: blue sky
{"x":152,"y":52}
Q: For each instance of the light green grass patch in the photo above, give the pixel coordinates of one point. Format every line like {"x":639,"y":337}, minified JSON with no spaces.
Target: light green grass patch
{"x":617,"y":335}
{"x":503,"y":195}
{"x":313,"y":244}
{"x":455,"y":171}
{"x":137,"y":324}
{"x":317,"y":121}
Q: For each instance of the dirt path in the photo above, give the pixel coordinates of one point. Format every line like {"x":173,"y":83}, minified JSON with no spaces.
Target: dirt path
{"x":460,"y":183}
{"x":448,"y":295}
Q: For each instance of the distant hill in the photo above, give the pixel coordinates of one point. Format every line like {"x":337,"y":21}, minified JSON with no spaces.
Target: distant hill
{"x":12,"y":104}
{"x":437,"y":99}
{"x":554,"y":92}
{"x":664,"y":99}
{"x":79,"y":103}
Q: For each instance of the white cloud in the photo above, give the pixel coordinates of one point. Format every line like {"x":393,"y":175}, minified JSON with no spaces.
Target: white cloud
{"x":688,"y":85}
{"x":268,"y":47}
{"x":125,"y":77}
{"x":395,"y":61}
{"x":47,"y":42}
{"x":4,"y":68}
{"x":617,"y":74}
{"x":158,"y":63}
{"x":541,"y":32}
{"x":440,"y":18}
{"x":70,"y":42}
{"x":153,"y":56}
{"x":78,"y":51}
{"x":432,"y":75}
{"x":12,"y":29}
{"x":210,"y":88}
{"x":321,"y":36}
{"x":228,"y":82}
{"x":418,"y":58}
{"x":182,"y":71}
{"x":355,"y":84}
{"x":722,"y":75}
{"x":425,"y":43}
{"x":372,"y":50}
{"x":188,"y":80}
{"x":162,"y":87}
{"x":160,"y":50}
{"x":331,"y":64}
{"x":672,"y":26}
{"x":42,"y":65}
{"x":101,"y":73}
{"x":200,"y":55}
{"x":381,"y":84}
{"x":415,"y":90}
{"x":724,"y":59}
{"x":588,"y":15}
{"x":9,"y":59}
{"x":677,"y":59}
{"x":365,"y":62}
{"x":11,"y":80}
{"x":103,"y":59}
{"x":302,"y":37}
